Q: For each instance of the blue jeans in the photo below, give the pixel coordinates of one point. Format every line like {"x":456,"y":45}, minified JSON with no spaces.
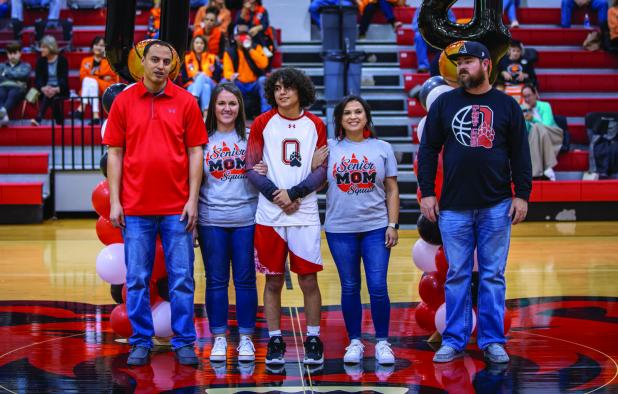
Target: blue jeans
{"x":347,"y":250}
{"x":202,"y":88}
{"x":140,"y":236}
{"x":510,"y":7}
{"x":488,"y":230}
{"x":600,"y":6}
{"x":254,"y":88}
{"x":219,"y":246}
{"x":314,"y":8}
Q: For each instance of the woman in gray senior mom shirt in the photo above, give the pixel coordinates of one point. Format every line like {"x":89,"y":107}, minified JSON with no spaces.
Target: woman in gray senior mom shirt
{"x":226,"y":222}
{"x":362,"y":210}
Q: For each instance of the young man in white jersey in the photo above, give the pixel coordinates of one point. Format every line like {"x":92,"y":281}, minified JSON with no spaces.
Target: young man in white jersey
{"x":287,"y":219}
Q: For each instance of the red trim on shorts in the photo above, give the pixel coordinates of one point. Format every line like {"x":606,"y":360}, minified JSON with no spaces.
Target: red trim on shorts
{"x":301,"y":266}
{"x":271,"y":250}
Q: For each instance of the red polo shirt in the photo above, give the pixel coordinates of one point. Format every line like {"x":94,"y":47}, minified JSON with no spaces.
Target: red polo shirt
{"x":155,"y":132}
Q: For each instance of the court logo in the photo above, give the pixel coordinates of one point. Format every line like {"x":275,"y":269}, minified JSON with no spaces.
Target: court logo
{"x":473,"y":126}
{"x":225,"y":163}
{"x":290,"y":152}
{"x":355,"y":176}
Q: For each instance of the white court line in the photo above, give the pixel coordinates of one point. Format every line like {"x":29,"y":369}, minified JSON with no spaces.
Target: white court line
{"x":300,"y":329}
{"x":300,"y":367}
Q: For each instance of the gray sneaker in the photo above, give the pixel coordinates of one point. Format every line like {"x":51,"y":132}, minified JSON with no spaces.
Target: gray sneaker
{"x":138,"y":356}
{"x":446,"y":354}
{"x":186,"y":355}
{"x":3,"y":112}
{"x":495,"y":353}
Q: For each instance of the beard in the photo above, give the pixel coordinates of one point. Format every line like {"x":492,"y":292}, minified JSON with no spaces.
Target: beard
{"x":472,"y":80}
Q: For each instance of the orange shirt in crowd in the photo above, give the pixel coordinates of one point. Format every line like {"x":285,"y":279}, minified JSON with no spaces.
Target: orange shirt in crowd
{"x":224,"y":18}
{"x":214,"y":39}
{"x":245,"y":74}
{"x":612,"y":22}
{"x":363,"y":3}
{"x":206,"y":64}
{"x":87,"y":69}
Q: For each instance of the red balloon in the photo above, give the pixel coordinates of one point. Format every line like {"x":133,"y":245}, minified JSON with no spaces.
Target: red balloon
{"x":441,"y":262}
{"x":431,"y":290}
{"x":425,"y":317}
{"x":154,"y":293}
{"x":107,"y":233}
{"x":119,"y":320}
{"x":100,"y":199}
{"x":415,"y":165}
{"x":438,"y":182}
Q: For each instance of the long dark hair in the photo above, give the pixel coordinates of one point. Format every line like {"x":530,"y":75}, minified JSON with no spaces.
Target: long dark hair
{"x":339,"y":130}
{"x":211,"y":118}
{"x":290,"y":78}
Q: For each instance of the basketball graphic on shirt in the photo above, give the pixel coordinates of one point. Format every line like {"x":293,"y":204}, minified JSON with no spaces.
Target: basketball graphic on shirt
{"x":225,"y":163}
{"x":473,"y":126}
{"x":354,"y":176}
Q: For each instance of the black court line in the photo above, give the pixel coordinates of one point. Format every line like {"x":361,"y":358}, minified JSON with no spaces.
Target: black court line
{"x":288,"y":276}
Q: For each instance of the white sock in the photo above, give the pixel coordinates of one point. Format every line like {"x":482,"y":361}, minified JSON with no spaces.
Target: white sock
{"x":313,"y":331}
{"x":274,"y":333}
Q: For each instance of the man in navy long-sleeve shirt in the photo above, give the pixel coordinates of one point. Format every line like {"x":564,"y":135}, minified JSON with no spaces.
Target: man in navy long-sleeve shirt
{"x":483,"y":134}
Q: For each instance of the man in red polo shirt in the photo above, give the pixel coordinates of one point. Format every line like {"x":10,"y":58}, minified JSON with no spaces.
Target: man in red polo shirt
{"x":155,"y":135}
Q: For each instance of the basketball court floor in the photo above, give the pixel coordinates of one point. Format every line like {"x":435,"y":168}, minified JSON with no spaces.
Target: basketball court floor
{"x":562,"y":289}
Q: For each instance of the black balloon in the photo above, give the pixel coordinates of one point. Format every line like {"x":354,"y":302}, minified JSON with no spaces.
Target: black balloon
{"x":116,"y":291}
{"x":163,"y":288}
{"x":175,"y":24}
{"x":103,"y":164}
{"x":428,"y":86}
{"x":486,"y":26}
{"x":119,"y":32}
{"x":429,"y":231}
{"x":109,"y":95}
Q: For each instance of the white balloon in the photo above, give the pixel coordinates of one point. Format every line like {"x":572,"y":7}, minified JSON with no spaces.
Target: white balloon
{"x":424,"y":255}
{"x":103,"y":126}
{"x":440,"y":319}
{"x":420,"y":128}
{"x":435,"y":93}
{"x":162,"y":319}
{"x":110,"y":264}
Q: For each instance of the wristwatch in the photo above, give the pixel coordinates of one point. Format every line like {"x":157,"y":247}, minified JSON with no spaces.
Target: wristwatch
{"x":394,"y":225}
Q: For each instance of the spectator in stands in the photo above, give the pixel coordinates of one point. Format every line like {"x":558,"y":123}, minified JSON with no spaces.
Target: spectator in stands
{"x":215,"y":38}
{"x":4,"y":8}
{"x":612,"y":24}
{"x":224,"y":17}
{"x":544,"y":135}
{"x":95,"y":75}
{"x":199,"y":70}
{"x":255,"y":17}
{"x":368,"y":7}
{"x":51,"y":80}
{"x":510,"y":7}
{"x":154,"y":20}
{"x":515,"y":70}
{"x":421,"y":46}
{"x":14,"y":76}
{"x":316,"y":5}
{"x":17,"y":15}
{"x":600,"y":6}
{"x":244,"y":64}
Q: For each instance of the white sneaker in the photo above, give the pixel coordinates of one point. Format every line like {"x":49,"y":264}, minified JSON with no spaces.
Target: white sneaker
{"x":384,"y":353}
{"x":550,"y":174}
{"x":354,"y":352}
{"x":219,"y":349}
{"x":246,"y":350}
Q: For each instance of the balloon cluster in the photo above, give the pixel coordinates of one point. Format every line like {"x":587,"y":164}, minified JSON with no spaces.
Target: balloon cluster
{"x":110,"y":264}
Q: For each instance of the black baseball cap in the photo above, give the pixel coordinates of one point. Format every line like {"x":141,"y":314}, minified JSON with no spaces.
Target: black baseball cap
{"x":470,"y":48}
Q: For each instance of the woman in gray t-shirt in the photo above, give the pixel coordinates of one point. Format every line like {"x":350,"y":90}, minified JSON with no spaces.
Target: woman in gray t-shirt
{"x":362,"y":211}
{"x":226,"y":222}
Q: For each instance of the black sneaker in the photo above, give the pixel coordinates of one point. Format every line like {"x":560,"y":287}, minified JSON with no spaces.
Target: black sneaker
{"x":276,"y":351}
{"x":138,"y":356}
{"x":314,"y":350}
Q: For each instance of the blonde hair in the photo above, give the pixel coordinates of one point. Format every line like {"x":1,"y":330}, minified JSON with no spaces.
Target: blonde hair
{"x":51,"y":44}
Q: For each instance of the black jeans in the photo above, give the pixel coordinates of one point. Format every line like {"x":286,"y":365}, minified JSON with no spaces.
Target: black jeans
{"x":10,"y":96}
{"x":55,"y":102}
